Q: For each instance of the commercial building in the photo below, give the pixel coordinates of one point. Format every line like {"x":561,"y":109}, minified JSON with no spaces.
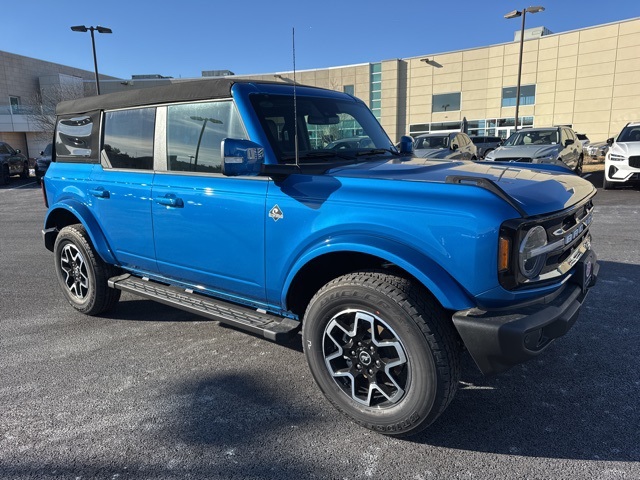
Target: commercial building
{"x":29,"y":89}
{"x":588,"y":79}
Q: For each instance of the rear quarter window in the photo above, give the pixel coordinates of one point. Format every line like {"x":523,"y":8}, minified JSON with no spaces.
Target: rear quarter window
{"x":76,"y":138}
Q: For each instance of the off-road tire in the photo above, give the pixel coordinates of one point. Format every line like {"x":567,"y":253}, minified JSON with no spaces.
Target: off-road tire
{"x":82,"y":274}
{"x":402,"y":314}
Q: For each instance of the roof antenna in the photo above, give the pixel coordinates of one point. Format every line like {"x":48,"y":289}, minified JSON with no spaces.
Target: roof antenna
{"x":295,"y":103}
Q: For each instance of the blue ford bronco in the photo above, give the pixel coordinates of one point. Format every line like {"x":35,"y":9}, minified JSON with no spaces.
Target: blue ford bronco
{"x":235,"y":200}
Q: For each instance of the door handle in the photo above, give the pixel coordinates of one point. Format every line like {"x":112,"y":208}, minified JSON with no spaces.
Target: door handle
{"x":99,"y":192}
{"x":170,"y":200}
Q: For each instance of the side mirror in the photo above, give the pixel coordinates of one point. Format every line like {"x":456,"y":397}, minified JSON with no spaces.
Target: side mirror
{"x":454,"y":146}
{"x":18,"y":150}
{"x":406,"y":144}
{"x":241,"y":157}
{"x":41,"y":152}
{"x":568,"y":142}
{"x":610,"y":141}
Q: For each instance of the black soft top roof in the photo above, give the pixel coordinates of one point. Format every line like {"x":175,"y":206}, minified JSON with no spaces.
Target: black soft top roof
{"x":175,"y":92}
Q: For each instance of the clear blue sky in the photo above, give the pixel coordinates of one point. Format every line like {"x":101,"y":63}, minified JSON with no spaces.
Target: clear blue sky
{"x":182,"y":38}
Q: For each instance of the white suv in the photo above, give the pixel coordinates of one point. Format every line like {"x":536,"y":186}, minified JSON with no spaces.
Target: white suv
{"x":622,"y":162}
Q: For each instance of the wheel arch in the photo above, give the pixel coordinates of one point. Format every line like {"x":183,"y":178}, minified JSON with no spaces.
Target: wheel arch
{"x":319,"y":266}
{"x":70,"y":213}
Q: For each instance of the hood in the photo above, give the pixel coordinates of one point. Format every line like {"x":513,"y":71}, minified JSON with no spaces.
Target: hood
{"x":535,"y":189}
{"x":526,"y":151}
{"x":628,"y":149}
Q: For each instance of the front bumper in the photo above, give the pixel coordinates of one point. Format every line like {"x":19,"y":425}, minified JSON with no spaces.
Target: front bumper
{"x":497,"y":340}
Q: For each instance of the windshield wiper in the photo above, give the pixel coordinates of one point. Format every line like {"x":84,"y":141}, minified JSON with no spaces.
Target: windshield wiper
{"x":377,"y":151}
{"x":320,"y":154}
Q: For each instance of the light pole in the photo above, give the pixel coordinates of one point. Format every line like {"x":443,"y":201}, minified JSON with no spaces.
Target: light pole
{"x":521,"y":13}
{"x":82,"y":28}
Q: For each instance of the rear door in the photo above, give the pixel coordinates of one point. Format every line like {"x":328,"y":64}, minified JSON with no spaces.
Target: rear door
{"x":120,"y":187}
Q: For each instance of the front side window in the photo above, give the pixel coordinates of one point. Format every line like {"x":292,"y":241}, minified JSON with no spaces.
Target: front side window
{"x":527,"y":95}
{"x":446,"y":102}
{"x":128,"y":138}
{"x":195,"y":132}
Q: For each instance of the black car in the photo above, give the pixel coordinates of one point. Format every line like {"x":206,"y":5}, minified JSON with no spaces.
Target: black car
{"x":12,"y":162}
{"x":486,"y":144}
{"x":43,"y":162}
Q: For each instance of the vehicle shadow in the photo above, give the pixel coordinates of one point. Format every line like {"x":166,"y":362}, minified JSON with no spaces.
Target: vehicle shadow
{"x":579,"y":400}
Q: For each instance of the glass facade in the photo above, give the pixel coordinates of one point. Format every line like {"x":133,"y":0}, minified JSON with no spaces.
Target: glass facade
{"x":527,"y":95}
{"x":487,"y":127}
{"x":375,"y":87}
{"x":445,"y":102}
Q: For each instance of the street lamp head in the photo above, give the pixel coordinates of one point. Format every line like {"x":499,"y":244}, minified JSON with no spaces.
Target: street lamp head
{"x":535,"y":9}
{"x":80,"y":28}
{"x":108,"y":30}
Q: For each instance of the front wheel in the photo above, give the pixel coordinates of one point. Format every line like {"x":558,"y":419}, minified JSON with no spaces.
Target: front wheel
{"x":383,"y":351}
{"x":578,"y":169}
{"x":606,"y":184}
{"x":82,"y":274}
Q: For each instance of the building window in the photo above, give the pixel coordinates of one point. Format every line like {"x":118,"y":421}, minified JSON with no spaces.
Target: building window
{"x":350,"y":89}
{"x":15,"y":104}
{"x":446,"y":102}
{"x":128,"y":138}
{"x":527,"y":95}
{"x":376,"y":89}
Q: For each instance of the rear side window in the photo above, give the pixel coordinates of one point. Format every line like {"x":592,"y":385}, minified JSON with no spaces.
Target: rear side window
{"x":74,"y":137}
{"x":195,"y":132}
{"x":128,"y":138}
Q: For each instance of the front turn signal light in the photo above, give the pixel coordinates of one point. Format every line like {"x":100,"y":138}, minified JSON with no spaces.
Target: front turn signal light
{"x":504,"y":253}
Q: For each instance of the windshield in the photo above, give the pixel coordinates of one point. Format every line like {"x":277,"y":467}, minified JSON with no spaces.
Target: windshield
{"x":434,"y":141}
{"x":533,"y":137}
{"x":327,"y":127}
{"x":630,"y":133}
{"x":47,"y":150}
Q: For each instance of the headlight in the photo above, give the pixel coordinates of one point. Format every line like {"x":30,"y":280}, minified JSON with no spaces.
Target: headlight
{"x":617,"y":158}
{"x":489,"y":157}
{"x":532,"y":254}
{"x":545,"y":158}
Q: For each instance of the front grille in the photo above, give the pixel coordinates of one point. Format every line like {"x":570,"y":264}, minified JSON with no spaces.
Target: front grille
{"x":568,"y":238}
{"x":634,"y":161}
{"x":514,"y":159}
{"x":570,"y":230}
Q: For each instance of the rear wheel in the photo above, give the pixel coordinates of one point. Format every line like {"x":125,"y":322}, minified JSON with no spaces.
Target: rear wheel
{"x":82,"y":274}
{"x":383,"y":351}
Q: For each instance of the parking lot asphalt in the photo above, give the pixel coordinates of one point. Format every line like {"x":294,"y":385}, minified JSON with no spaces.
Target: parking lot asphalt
{"x":153,"y":392}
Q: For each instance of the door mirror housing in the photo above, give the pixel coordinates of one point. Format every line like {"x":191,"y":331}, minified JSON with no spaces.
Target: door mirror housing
{"x":406,"y":144}
{"x":454,"y":146}
{"x":610,"y":141}
{"x":241,"y":157}
{"x":568,"y":142}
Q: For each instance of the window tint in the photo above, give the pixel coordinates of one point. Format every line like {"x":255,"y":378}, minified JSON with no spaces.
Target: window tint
{"x":128,"y":138}
{"x":73,"y":136}
{"x":445,"y":102}
{"x":195,"y":132}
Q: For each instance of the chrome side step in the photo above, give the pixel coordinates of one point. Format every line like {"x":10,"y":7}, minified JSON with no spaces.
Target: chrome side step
{"x":269,"y":326}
